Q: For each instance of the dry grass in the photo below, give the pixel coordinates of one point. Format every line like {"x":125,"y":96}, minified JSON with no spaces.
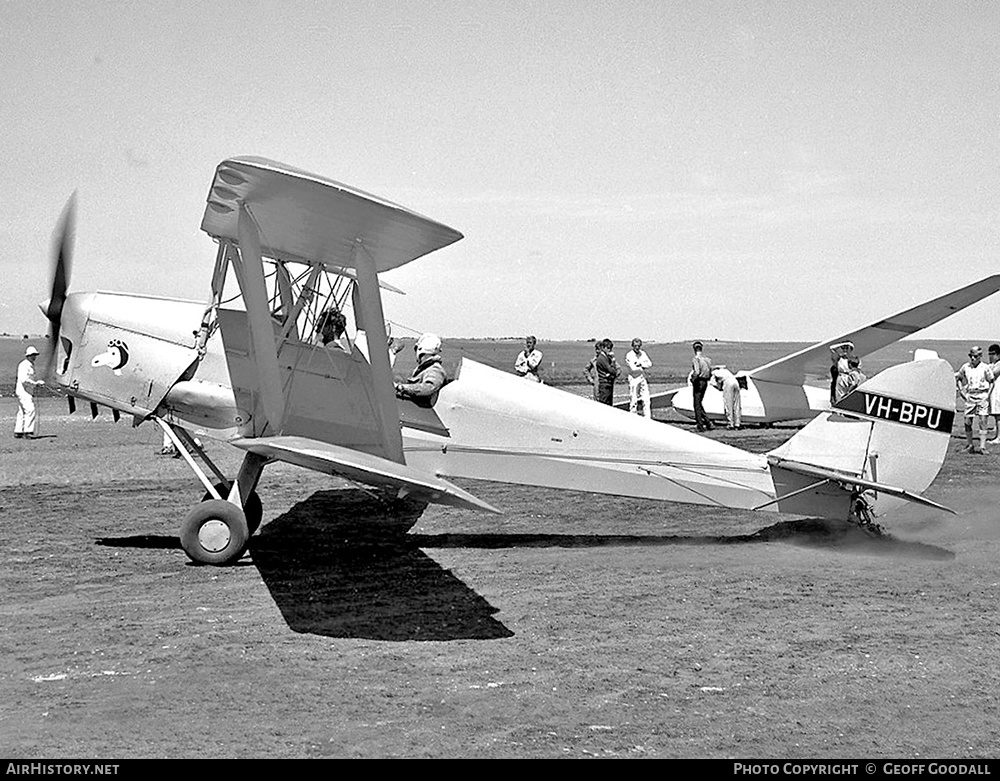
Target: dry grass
{"x":571,"y":626}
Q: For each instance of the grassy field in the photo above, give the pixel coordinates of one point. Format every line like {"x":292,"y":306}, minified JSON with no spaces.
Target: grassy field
{"x":572,"y":625}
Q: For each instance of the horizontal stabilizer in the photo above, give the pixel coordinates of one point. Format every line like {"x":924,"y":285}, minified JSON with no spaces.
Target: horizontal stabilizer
{"x":810,"y":470}
{"x":362,"y":468}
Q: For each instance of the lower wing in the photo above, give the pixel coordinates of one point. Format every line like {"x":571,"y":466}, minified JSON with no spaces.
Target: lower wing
{"x":362,"y":468}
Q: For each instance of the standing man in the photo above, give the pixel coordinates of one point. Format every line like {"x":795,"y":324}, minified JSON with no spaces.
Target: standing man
{"x":849,"y":380}
{"x":839,"y":355}
{"x":529,"y":360}
{"x":607,"y":372}
{"x":994,"y":362}
{"x":26,"y":420}
{"x":701,"y":372}
{"x":637,"y":362}
{"x":726,"y":382}
{"x":973,"y":381}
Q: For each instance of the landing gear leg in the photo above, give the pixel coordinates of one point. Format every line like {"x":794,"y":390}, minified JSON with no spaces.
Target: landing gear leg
{"x":252,"y":508}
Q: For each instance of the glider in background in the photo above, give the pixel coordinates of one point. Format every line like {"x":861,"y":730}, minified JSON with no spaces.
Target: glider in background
{"x":249,"y":369}
{"x":779,"y":391}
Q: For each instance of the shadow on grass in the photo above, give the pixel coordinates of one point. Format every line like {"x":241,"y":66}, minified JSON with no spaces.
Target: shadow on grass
{"x":340,"y":564}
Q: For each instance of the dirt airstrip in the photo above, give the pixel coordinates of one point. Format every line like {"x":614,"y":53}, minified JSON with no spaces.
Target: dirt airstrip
{"x":570,"y":626}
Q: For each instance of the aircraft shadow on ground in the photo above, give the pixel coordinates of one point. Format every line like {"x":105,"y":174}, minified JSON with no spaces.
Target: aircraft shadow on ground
{"x":340,"y":564}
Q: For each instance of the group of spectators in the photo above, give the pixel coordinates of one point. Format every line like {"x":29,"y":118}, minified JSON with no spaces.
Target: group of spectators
{"x":979,"y":385}
{"x":704,"y":373}
{"x":603,"y":371}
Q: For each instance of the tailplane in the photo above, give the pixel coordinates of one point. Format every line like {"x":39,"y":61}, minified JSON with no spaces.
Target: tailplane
{"x":883,"y":444}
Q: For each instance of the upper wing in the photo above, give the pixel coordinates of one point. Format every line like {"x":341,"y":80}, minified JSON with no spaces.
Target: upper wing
{"x":795,"y":368}
{"x":304,"y":217}
{"x":363,"y":468}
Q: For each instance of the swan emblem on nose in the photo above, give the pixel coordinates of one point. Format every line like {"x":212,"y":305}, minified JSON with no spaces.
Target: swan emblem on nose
{"x":115,"y":357}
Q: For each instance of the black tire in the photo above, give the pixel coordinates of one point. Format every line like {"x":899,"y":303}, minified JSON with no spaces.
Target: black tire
{"x":215,"y":532}
{"x":252,"y":509}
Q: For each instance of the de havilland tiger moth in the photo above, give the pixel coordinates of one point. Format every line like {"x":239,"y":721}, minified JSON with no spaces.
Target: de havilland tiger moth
{"x":257,"y":377}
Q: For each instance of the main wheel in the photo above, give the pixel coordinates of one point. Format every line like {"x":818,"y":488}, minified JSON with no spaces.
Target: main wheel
{"x":253,"y":509}
{"x":215,"y":532}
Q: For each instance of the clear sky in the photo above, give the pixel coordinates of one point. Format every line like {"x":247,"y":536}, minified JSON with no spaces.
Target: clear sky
{"x":667,"y":169}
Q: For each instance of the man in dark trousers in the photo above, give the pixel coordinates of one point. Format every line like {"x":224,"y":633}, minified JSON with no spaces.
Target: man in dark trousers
{"x":701,"y":373}
{"x":607,"y":372}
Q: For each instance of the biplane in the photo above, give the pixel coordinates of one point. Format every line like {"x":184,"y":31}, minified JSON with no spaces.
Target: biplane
{"x":247,"y":368}
{"x":785,"y":389}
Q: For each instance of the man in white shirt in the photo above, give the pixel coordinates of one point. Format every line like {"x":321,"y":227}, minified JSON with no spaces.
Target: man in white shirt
{"x":725,"y":381}
{"x":637,"y":362}
{"x":973,"y":381}
{"x":529,"y":360}
{"x":840,"y":354}
{"x":26,"y":420}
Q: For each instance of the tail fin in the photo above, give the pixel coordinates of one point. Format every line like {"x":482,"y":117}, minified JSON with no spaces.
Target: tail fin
{"x":891,"y":434}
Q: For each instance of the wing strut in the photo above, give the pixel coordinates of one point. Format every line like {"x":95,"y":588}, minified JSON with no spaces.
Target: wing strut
{"x":284,"y":284}
{"x":370,"y":302}
{"x":259,"y":317}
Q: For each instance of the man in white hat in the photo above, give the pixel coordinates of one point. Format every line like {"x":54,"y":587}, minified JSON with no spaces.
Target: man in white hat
{"x":428,"y":376}
{"x":26,"y":420}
